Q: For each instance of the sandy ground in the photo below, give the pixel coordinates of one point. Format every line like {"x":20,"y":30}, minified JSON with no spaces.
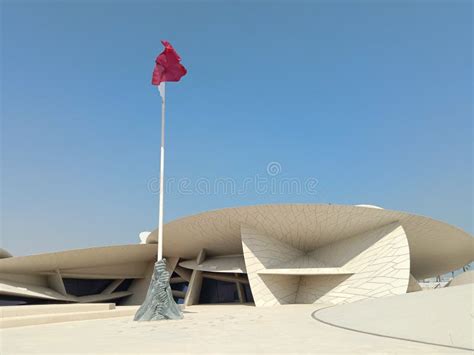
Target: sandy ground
{"x":208,"y":329}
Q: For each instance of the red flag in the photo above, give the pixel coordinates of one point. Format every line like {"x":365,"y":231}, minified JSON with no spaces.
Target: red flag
{"x":168,"y":66}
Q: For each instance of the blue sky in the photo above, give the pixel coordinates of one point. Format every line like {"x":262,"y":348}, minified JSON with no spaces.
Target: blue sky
{"x":372,"y":99}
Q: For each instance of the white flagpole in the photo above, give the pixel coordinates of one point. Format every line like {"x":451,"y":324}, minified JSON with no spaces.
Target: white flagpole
{"x":161,"y":88}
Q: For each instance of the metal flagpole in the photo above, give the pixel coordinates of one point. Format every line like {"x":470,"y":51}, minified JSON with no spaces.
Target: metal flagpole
{"x":159,"y":303}
{"x":161,"y":88}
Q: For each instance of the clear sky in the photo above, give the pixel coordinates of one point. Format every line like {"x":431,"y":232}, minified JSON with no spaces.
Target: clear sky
{"x":372,"y":99}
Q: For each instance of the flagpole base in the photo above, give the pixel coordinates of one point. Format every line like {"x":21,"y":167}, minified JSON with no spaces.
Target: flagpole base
{"x":159,"y":303}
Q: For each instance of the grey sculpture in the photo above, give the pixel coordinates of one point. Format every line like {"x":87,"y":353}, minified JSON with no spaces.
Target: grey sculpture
{"x":159,"y":303}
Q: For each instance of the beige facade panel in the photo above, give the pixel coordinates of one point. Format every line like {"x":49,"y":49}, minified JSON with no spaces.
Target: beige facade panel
{"x":102,"y":297}
{"x":20,"y":289}
{"x":33,"y":280}
{"x":41,"y":276}
{"x":79,"y":259}
{"x":194,"y":289}
{"x":296,"y":253}
{"x":55,"y":282}
{"x":379,"y":261}
{"x":307,"y":272}
{"x":195,"y":283}
{"x":112,"y":287}
{"x":435,"y":247}
{"x":133,"y":270}
{"x":227,"y":264}
{"x":413,"y":285}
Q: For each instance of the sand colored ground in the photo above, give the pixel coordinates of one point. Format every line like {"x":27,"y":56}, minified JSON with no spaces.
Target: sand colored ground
{"x":443,"y":316}
{"x":207,"y":329}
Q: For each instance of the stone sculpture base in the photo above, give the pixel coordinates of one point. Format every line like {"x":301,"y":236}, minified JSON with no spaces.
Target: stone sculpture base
{"x":159,"y":303}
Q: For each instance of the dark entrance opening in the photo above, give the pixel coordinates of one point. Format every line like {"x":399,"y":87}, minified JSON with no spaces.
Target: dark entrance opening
{"x":179,"y":286}
{"x":85,"y":287}
{"x":220,"y":288}
{"x":216,"y":291}
{"x":248,"y":293}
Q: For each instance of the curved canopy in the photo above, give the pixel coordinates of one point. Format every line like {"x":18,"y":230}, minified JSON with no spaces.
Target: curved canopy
{"x":435,"y":247}
{"x":79,"y":258}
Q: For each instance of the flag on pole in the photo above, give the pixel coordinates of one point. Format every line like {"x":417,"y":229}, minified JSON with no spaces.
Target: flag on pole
{"x":159,"y":303}
{"x":167,"y":66}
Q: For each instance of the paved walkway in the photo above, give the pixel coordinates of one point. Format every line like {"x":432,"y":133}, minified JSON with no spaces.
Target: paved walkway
{"x":207,"y":329}
{"x":443,"y":317}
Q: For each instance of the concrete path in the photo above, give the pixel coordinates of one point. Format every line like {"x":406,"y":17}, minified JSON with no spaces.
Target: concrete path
{"x":443,"y":316}
{"x":19,"y":316}
{"x":207,"y":329}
